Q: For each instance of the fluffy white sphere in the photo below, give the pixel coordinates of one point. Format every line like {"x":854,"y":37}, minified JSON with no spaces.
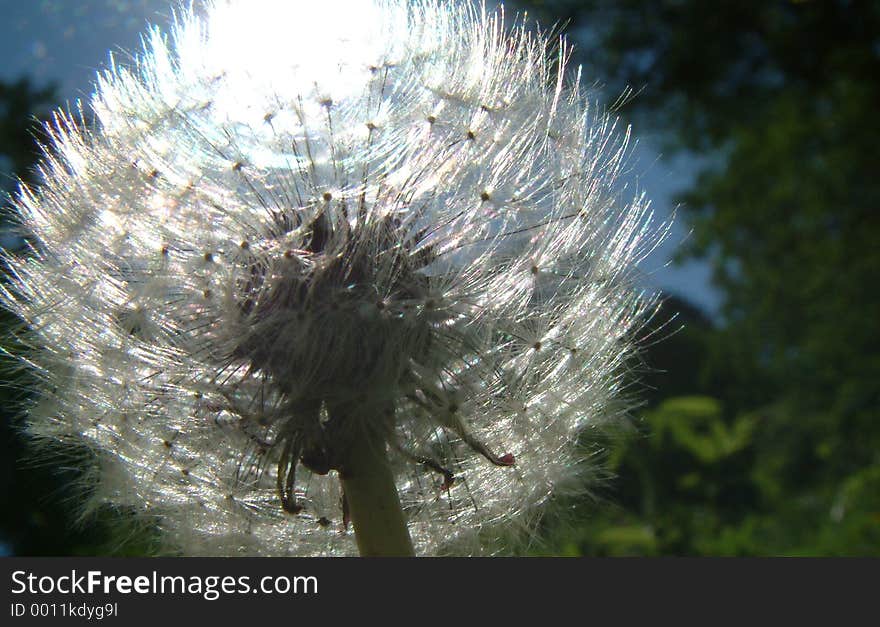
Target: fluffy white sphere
{"x":291,"y":221}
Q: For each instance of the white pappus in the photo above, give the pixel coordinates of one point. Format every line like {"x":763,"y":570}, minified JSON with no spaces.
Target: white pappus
{"x":291,"y":221}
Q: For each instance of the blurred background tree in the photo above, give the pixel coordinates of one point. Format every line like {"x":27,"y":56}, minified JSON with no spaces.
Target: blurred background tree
{"x":776,"y":447}
{"x":761,"y":430}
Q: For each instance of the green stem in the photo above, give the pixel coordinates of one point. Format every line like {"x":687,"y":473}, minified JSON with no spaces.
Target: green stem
{"x":373,"y":504}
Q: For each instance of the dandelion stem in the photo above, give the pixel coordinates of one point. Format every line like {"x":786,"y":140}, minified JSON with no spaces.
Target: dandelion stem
{"x":373,"y":503}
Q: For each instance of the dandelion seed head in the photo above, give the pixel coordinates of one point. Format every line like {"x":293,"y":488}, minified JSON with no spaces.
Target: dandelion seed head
{"x":293,"y":222}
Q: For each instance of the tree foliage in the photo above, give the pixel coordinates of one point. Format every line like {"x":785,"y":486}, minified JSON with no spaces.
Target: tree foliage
{"x":779,"y":99}
{"x":22,"y":106}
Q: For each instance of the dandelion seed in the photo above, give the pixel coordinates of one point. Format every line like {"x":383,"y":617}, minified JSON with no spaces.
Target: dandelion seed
{"x":421,"y":244}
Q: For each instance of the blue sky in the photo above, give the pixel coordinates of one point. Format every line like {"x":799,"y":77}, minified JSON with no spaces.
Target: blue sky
{"x":68,"y":40}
